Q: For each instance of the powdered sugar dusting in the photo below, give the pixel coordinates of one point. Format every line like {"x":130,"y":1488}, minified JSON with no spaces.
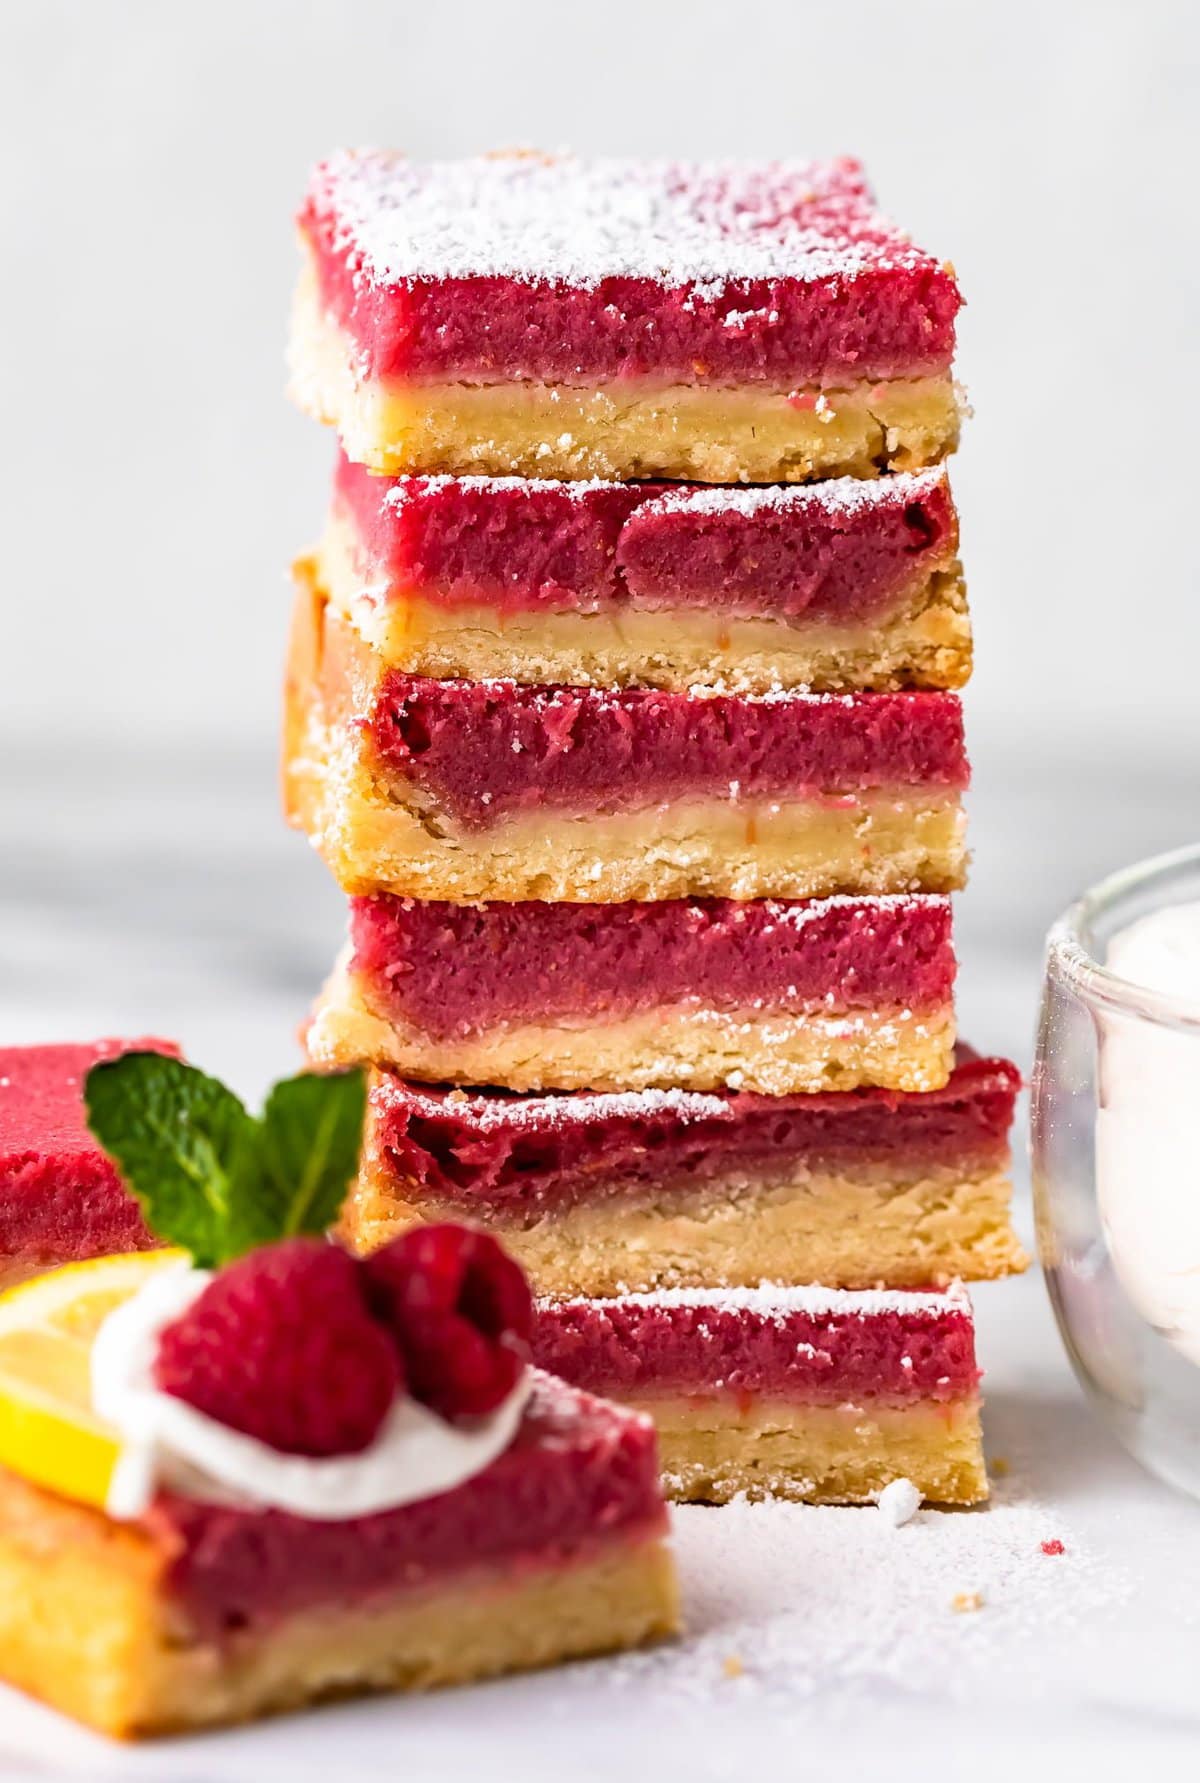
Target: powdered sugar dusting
{"x":576,"y":222}
{"x":839,"y":495}
{"x":397,"y":491}
{"x":771,"y":1301}
{"x":543,"y":1112}
{"x":826,"y":1607}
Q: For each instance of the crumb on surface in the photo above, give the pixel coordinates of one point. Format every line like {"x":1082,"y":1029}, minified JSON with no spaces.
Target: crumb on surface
{"x":964,"y":1601}
{"x":732,"y":1666}
{"x":998,"y":1467}
{"x":1053,"y":1547}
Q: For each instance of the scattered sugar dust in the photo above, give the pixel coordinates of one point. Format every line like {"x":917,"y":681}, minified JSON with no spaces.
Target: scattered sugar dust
{"x":832,"y":1605}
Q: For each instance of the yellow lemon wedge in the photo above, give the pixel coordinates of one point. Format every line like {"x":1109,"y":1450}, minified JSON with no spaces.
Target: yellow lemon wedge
{"x":48,"y":1431}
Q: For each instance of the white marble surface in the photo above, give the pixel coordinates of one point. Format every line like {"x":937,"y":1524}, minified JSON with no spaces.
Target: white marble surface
{"x":165,"y":895}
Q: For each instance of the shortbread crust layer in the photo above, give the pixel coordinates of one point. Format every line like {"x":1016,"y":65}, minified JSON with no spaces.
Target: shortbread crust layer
{"x":85,"y":1625}
{"x":716,"y":1449}
{"x":378,"y":831}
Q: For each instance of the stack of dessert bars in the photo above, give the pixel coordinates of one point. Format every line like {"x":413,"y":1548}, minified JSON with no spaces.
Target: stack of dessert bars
{"x":621,"y":702}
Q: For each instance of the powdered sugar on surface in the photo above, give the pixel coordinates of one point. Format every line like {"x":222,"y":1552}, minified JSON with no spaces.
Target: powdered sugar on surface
{"x":830,"y":1607}
{"x":577,"y":222}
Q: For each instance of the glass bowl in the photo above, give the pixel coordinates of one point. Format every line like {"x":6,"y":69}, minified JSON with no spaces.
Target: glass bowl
{"x":1116,"y":1170}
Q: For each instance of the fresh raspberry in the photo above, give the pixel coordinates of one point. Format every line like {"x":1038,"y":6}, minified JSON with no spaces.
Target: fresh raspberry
{"x":462,"y":1314}
{"x":282,"y":1345}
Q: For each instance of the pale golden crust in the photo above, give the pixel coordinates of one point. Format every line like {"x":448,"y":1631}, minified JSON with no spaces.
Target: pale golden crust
{"x":712,"y":1450}
{"x":86,"y":1625}
{"x":679,"y":1048}
{"x":925,"y":641}
{"x":626,"y":431}
{"x":375,"y":836}
{"x":873,"y":1225}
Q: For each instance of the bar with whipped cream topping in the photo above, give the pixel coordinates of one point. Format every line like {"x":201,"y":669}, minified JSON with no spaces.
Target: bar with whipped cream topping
{"x":557,"y":317}
{"x":202,"y":1611}
{"x":802,"y":1393}
{"x":598,"y":1193}
{"x":493,"y":790}
{"x":842,"y":584}
{"x":771,"y":996}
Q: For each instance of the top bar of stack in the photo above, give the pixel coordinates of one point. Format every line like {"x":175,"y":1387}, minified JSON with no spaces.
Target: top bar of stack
{"x":552,"y":317}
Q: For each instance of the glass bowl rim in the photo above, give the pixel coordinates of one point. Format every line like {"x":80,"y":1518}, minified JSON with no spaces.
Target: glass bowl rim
{"x":1068,"y":956}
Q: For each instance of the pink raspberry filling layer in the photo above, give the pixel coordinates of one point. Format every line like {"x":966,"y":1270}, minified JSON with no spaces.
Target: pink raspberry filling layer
{"x":836,"y":552}
{"x":575,"y":272}
{"x":576,"y":1475}
{"x":60,"y":1197}
{"x":821,"y":1345}
{"x":518,"y":1155}
{"x":460,"y":969}
{"x":484,"y":750}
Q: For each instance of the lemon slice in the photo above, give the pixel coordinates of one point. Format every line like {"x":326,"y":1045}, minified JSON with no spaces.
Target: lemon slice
{"x":48,"y":1431}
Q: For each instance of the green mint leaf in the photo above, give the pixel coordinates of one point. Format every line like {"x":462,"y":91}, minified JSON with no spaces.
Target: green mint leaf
{"x":309,"y":1138}
{"x":180,"y":1141}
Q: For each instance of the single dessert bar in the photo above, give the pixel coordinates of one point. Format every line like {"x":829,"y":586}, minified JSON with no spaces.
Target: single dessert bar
{"x":802,"y":1393}
{"x":844,"y":584}
{"x":60,"y":1197}
{"x":201,"y":1612}
{"x":563,"y":318}
{"x":596,"y":1194}
{"x":471,"y":790}
{"x":770,"y":996}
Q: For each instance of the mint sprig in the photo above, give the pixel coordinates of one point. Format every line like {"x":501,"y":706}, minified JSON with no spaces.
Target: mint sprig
{"x":210,"y":1176}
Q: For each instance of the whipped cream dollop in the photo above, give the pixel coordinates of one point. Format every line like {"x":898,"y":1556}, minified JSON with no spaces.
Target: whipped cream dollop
{"x":165,"y":1441}
{"x":1148,"y":1129}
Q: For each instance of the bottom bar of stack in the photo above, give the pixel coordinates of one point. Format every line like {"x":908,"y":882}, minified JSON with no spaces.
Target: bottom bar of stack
{"x":813,"y":1394}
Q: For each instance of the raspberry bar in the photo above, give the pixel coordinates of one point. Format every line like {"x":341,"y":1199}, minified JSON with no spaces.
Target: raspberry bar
{"x":800,"y":1393}
{"x":474,"y":790}
{"x":549,"y":316}
{"x":770,"y":996}
{"x":844,"y":584}
{"x":202,"y":1612}
{"x":599,"y":1193}
{"x":60,"y":1197}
